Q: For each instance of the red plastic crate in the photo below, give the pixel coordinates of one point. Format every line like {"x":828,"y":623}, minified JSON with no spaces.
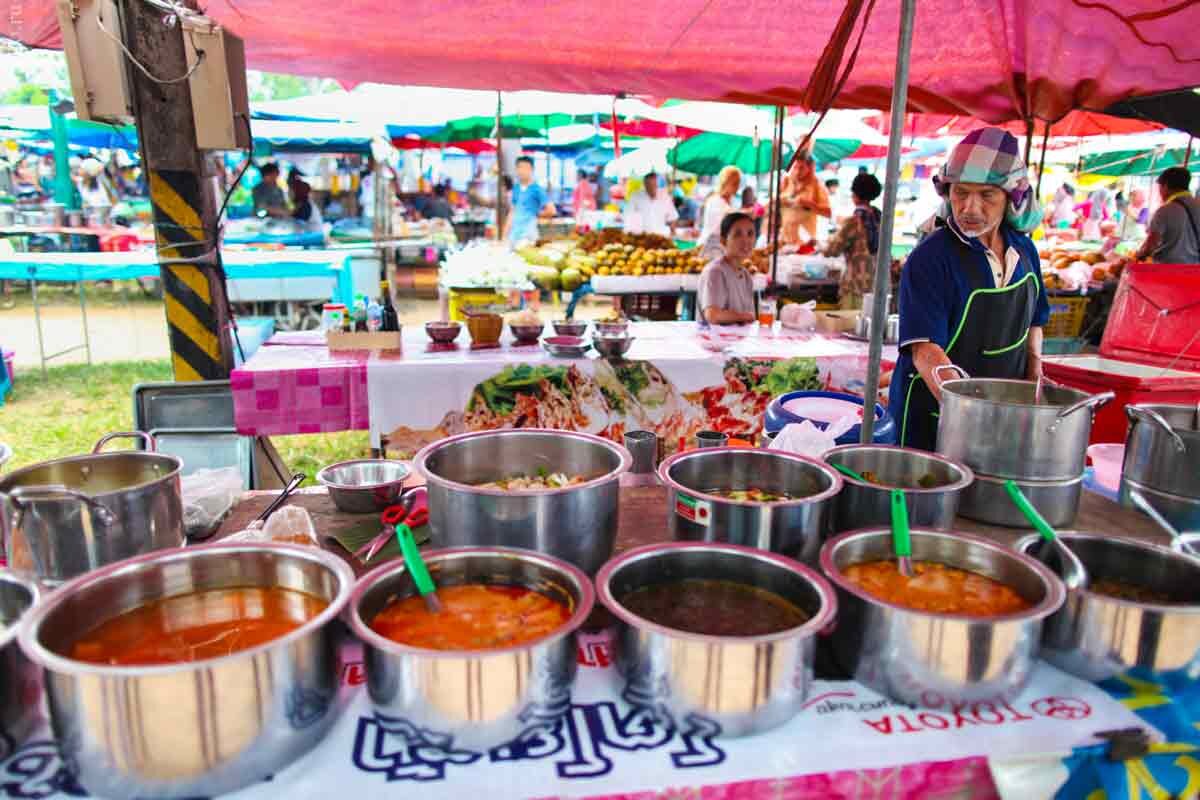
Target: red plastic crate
{"x":1150,"y":352}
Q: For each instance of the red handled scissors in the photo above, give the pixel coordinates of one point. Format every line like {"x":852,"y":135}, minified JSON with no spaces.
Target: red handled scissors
{"x":412,"y":510}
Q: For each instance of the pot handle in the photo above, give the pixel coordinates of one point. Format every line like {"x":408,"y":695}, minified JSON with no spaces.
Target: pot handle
{"x":1137,"y":412}
{"x":1093,"y":402}
{"x":940,"y":368}
{"x":146,"y":439}
{"x":22,"y":494}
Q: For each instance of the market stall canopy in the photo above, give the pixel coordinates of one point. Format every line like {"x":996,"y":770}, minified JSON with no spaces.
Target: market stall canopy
{"x":32,"y":123}
{"x":652,"y":156}
{"x":283,"y":136}
{"x":1075,"y":124}
{"x":1178,"y":110}
{"x":995,"y":60}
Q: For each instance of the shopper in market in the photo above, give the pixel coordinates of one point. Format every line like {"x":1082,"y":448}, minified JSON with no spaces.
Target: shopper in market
{"x":584,"y":196}
{"x":971,"y":293}
{"x":857,"y":240}
{"x":304,"y":210}
{"x":1173,"y":236}
{"x":716,"y":206}
{"x":803,"y":198}
{"x":529,"y":202}
{"x":726,"y":292}
{"x":650,"y":210}
{"x":269,"y":198}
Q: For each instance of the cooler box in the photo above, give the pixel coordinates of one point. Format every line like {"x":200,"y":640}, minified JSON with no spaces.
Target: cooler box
{"x":1150,"y":352}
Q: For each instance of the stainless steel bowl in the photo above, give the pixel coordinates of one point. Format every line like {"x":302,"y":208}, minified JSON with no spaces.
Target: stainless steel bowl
{"x":937,"y":660}
{"x":570,"y":327}
{"x":612,"y":346}
{"x":526,"y":333}
{"x":743,"y":685}
{"x":365,"y":485}
{"x":443,"y":332}
{"x":792,"y":527}
{"x":566,"y":346}
{"x":1098,"y":637}
{"x":867,"y":505}
{"x":986,"y":500}
{"x":20,"y":679}
{"x":577,"y":523}
{"x":477,"y":699}
{"x":612,"y":328}
{"x":201,"y":728}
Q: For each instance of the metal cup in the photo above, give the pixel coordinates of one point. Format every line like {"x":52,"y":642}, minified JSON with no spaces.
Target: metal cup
{"x":711,"y":439}
{"x":643,"y":446}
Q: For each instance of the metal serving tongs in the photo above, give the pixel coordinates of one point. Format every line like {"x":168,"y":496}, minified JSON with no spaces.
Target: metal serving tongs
{"x":415,"y":507}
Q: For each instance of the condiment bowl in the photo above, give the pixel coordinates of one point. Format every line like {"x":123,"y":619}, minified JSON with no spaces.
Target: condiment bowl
{"x":575,"y":523}
{"x":792,"y":528}
{"x":932,"y":659}
{"x":365,"y":485}
{"x":199,"y":728}
{"x":443,"y":332}
{"x":1097,"y":636}
{"x":20,"y":679}
{"x":477,"y":699}
{"x":612,"y":327}
{"x":612,"y":345}
{"x":526,"y":334}
{"x":864,"y":505}
{"x":570,"y":327}
{"x":732,"y":685}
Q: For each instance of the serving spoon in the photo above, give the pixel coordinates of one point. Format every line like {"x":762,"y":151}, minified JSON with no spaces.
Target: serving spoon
{"x":395,"y":515}
{"x":1074,"y":573}
{"x":901,"y":540}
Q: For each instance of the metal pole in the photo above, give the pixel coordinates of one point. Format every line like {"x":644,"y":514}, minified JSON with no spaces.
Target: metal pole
{"x":1042,"y":164}
{"x":87,"y":340}
{"x":883,"y":260}
{"x":776,"y":178}
{"x":499,"y":169}
{"x":1187,"y":156}
{"x":64,"y":190}
{"x":37,"y":318}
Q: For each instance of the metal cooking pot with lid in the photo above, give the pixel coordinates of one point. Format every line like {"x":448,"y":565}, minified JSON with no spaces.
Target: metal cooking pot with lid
{"x":994,"y":426}
{"x":1162,"y":452}
{"x":62,"y":518}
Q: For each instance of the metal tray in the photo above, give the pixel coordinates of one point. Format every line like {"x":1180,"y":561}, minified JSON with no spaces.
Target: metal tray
{"x":208,"y":448}
{"x":176,"y":406}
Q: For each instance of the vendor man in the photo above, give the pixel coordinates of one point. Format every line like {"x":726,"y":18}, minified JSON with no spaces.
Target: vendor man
{"x":971,"y":293}
{"x":650,"y":210}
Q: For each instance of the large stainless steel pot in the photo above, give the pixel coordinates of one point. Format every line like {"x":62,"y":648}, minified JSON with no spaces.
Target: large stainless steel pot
{"x":577,"y":524}
{"x":986,"y":500}
{"x":993,"y":426}
{"x":742,"y":684}
{"x":1098,"y":637}
{"x":936,"y":660}
{"x":59,"y":519}
{"x":478,"y":699}
{"x":792,"y":527}
{"x":1162,"y":461}
{"x":20,"y":678}
{"x":201,"y":728}
{"x":866,"y":505}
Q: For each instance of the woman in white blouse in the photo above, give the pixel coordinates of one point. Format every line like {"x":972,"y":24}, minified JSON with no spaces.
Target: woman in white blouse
{"x":718,"y":204}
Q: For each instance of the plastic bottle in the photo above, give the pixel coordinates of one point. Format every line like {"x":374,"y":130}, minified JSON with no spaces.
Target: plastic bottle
{"x":374,"y":317}
{"x":360,"y":313}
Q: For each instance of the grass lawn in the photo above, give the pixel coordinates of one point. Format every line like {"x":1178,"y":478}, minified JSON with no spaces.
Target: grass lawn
{"x":65,"y":413}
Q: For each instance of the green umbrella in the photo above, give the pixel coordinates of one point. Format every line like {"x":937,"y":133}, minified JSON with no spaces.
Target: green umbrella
{"x":1123,"y":163}
{"x":515,"y":126}
{"x":706,"y":153}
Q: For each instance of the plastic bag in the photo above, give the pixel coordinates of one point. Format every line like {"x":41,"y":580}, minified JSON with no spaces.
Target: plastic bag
{"x":208,"y":495}
{"x":289,"y":524}
{"x":806,"y":439}
{"x":800,"y":316}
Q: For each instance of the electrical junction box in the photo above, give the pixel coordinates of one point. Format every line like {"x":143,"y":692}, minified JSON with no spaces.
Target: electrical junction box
{"x":220,"y":102}
{"x":91,"y":32}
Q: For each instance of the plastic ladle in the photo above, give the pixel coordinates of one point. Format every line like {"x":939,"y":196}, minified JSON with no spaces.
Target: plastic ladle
{"x":1074,"y":573}
{"x":395,"y":515}
{"x":847,"y":471}
{"x":901,"y":540}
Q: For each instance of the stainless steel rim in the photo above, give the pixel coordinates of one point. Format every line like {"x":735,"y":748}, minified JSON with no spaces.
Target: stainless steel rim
{"x":626,"y":461}
{"x":176,"y":469}
{"x":1008,"y":403}
{"x":664,"y":470}
{"x":53,"y":661}
{"x":1023,"y":483}
{"x":1056,"y":593}
{"x":968,"y":476}
{"x":817,"y":623}
{"x":9,"y":634}
{"x":322,"y":476}
{"x":587,"y":601}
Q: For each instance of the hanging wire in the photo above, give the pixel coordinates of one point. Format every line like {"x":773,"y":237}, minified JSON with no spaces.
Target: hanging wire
{"x":200,"y":56}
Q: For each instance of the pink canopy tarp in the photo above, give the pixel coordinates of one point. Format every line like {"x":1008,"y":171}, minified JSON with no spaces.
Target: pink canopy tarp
{"x":994,"y":60}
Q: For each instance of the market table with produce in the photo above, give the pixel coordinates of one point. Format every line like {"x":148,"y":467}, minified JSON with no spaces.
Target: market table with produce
{"x":676,"y":378}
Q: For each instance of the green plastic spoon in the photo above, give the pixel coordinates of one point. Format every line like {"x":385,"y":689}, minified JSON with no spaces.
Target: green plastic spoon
{"x":1075,"y":575}
{"x":847,"y":471}
{"x":396,"y":516}
{"x":901,"y":541}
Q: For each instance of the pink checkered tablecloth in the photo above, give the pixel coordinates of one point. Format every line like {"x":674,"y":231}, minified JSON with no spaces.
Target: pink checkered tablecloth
{"x":289,"y":388}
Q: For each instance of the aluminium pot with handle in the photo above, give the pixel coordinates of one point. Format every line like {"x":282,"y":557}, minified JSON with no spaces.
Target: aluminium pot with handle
{"x":994,"y":427}
{"x":1162,"y":452}
{"x":62,"y":518}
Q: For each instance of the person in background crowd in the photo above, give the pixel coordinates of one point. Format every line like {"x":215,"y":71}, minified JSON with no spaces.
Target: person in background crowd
{"x":268,"y":196}
{"x":584,"y":196}
{"x":971,"y":293}
{"x":602,"y":193}
{"x":439,"y":207}
{"x":716,"y":206}
{"x":804,"y":198}
{"x":755,"y":209}
{"x":1136,"y":217}
{"x":1062,"y":211}
{"x":529,"y":202}
{"x":1174,"y":233}
{"x":650,"y":210}
{"x":93,"y":186}
{"x":304,"y":210}
{"x":726,"y":292}
{"x":858,"y":241}
{"x":685,"y":205}
{"x":1092,"y":213}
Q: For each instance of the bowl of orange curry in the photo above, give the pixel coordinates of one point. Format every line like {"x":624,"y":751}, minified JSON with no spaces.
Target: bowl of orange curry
{"x":497,"y":660}
{"x":965,"y":628}
{"x":192,"y":672}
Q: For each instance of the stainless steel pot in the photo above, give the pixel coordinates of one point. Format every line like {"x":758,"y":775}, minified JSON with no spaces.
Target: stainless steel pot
{"x":938,"y":660}
{"x":986,"y":500}
{"x":742,"y":684}
{"x":1162,"y":461}
{"x":61,"y":518}
{"x":1098,"y":637}
{"x":867,"y":505}
{"x":577,"y":523}
{"x":891,"y":333}
{"x":201,"y":728}
{"x":479,"y":699}
{"x":20,"y":678}
{"x":792,"y":527}
{"x":993,"y":426}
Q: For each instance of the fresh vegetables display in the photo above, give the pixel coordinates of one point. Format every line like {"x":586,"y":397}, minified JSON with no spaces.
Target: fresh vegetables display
{"x":485,"y":264}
